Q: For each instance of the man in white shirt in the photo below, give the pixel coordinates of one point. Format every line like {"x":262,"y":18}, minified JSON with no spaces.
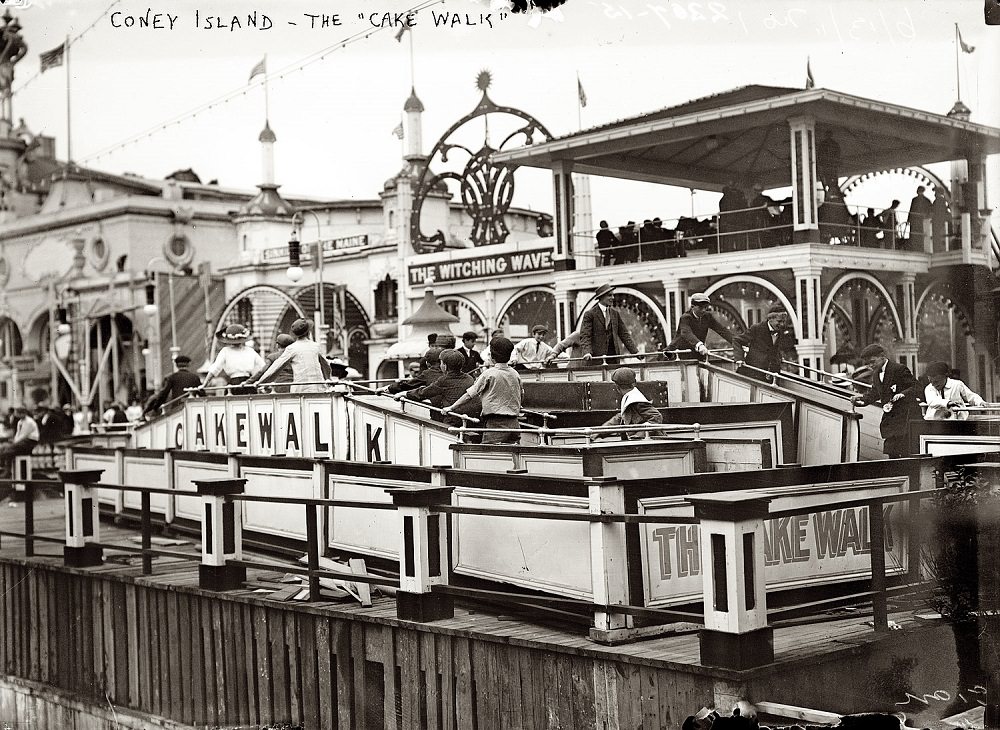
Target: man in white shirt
{"x":26,"y":438}
{"x":944,"y":394}
{"x":309,"y":367}
{"x":531,"y":352}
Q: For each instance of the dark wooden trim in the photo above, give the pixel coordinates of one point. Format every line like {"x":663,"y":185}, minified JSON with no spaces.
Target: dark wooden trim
{"x":524,"y":483}
{"x":203,"y":457}
{"x":140,"y":453}
{"x":397,"y":472}
{"x":276,"y":462}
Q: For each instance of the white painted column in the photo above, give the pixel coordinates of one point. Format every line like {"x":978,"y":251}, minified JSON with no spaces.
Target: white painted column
{"x":565,"y":312}
{"x":802,"y":141}
{"x":808,"y":303}
{"x":83,"y":527}
{"x":221,"y":534}
{"x":608,"y":560}
{"x":907,"y":304}
{"x":676,"y":294}
{"x":423,"y":550}
{"x":736,"y":634}
{"x":562,"y":181}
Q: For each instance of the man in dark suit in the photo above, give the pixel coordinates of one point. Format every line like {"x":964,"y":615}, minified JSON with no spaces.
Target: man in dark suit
{"x":894,"y":386}
{"x":693,"y":327}
{"x":473,"y":359}
{"x":607,"y":242}
{"x":174,"y":385}
{"x":767,"y":342}
{"x":602,"y":333}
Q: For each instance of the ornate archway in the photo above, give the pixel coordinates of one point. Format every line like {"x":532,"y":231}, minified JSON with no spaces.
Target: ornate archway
{"x":945,"y":332}
{"x":642,"y":317}
{"x":348,"y":325}
{"x":485,"y":188}
{"x":745,"y":294}
{"x":527,"y":308}
{"x":470,"y":317}
{"x":857,"y":312}
{"x":258,"y":307}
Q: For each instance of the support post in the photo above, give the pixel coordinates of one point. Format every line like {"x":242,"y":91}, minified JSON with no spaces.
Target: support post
{"x":805,"y":225}
{"x":423,"y":551}
{"x":562,"y":181}
{"x":988,"y":546}
{"x":221,"y":534}
{"x":736,"y":635}
{"x":608,"y":561}
{"x":808,"y":303}
{"x":82,"y":520}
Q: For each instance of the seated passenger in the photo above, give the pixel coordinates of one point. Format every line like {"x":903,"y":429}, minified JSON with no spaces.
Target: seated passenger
{"x":634,"y":409}
{"x":943,"y":395}
{"x":26,"y":438}
{"x":430,"y":372}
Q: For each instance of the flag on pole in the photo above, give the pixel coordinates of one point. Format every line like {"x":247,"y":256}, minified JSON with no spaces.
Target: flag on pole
{"x":53,"y":58}
{"x":582,"y":94}
{"x":966,"y":48}
{"x":401,"y":32}
{"x":259,"y":70}
{"x":398,"y":131}
{"x":810,"y":81}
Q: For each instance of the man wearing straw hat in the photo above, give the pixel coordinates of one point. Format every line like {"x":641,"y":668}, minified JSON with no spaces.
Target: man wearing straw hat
{"x":174,"y":385}
{"x":602,"y":333}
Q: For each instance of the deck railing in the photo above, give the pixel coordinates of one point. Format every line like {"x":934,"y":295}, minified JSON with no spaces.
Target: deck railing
{"x":735,"y":596}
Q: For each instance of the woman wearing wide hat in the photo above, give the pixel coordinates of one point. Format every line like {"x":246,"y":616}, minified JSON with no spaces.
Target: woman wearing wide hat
{"x":235,"y":359}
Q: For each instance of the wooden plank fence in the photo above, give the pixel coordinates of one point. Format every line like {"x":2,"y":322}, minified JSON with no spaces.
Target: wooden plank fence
{"x":219,"y":659}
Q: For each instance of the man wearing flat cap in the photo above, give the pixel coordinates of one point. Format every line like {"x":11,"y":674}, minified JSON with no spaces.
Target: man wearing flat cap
{"x":602,"y":333}
{"x":693,"y":327}
{"x":174,"y":385}
{"x":768,"y":342}
{"x":531,"y":352}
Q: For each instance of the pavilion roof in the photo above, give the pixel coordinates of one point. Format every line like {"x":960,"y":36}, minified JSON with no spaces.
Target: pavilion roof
{"x":743,"y":135}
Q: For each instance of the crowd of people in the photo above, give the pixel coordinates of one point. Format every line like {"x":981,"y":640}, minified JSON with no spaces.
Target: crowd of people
{"x":763,"y":222}
{"x":460,"y":383}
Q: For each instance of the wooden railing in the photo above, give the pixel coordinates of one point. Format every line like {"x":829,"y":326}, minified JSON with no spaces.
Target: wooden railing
{"x":624,"y":523}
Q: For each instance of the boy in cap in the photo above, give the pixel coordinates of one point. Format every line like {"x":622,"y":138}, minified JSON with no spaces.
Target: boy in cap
{"x":282,"y":376}
{"x":634,"y":409}
{"x":531,"y":352}
{"x":768,"y":342}
{"x":943,"y":394}
{"x":500,"y":389}
{"x":430,"y":372}
{"x":447,"y":389}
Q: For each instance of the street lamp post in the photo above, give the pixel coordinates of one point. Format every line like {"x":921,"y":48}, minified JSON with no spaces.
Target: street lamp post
{"x":150,"y":307}
{"x":294,"y":271}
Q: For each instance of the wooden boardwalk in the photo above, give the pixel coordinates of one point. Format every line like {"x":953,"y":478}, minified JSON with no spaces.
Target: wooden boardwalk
{"x":159,"y":644}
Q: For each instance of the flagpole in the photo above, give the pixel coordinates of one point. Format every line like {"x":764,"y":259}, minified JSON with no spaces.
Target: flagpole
{"x":958,"y":78}
{"x":579,"y":106}
{"x":267,"y":103}
{"x":69,"y":126}
{"x":413,"y":73}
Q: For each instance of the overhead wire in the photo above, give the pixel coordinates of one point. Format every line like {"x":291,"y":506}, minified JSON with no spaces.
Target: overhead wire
{"x":287,"y":70}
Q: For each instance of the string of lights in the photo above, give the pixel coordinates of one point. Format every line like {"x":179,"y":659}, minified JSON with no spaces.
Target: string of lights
{"x":72,"y":41}
{"x":280,"y":74}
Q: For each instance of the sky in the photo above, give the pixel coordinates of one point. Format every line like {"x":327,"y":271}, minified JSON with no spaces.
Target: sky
{"x":334,"y":116}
